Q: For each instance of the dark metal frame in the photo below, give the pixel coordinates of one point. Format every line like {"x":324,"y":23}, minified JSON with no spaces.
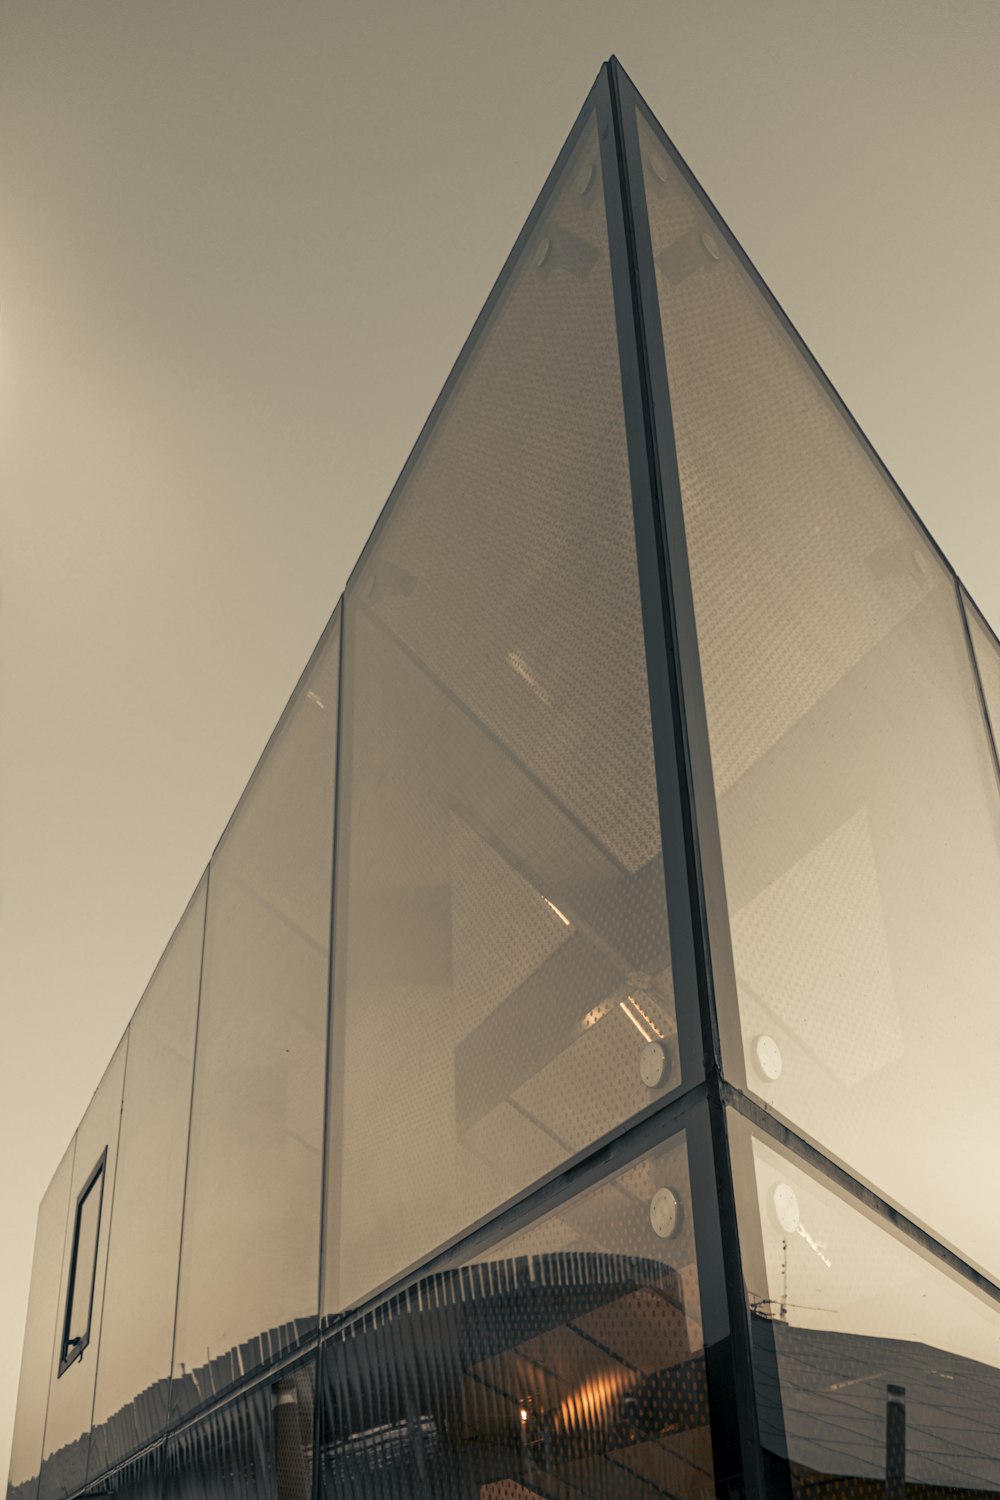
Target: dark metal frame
{"x":696,"y":906}
{"x":65,"y":1357}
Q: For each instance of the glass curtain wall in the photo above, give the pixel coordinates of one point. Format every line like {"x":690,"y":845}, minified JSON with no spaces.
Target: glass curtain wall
{"x":81,"y":1289}
{"x":857,"y":798}
{"x":504,"y":993}
{"x":130,"y":1400}
{"x":40,"y":1333}
{"x":497,"y":1233}
{"x":249,"y":1274}
{"x":858,"y":846}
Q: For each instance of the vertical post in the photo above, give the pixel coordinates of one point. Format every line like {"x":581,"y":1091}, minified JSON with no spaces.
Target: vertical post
{"x":696,"y":903}
{"x":895,"y":1443}
{"x":332,"y":1086}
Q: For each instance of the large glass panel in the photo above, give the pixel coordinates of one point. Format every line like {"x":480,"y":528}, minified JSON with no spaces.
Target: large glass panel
{"x":71,"y":1394}
{"x":130,"y":1403}
{"x":987,"y":651}
{"x":40,"y":1333}
{"x":259,"y":1447}
{"x":857,"y":802}
{"x":568,"y":1362}
{"x":874,"y":1363}
{"x":250,"y":1253}
{"x":505,"y":995}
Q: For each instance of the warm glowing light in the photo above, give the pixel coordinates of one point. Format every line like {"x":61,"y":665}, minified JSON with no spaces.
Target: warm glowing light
{"x":561,"y":915}
{"x":597,"y":1014}
{"x":524,"y":1413}
{"x":593,"y":1404}
{"x":635,"y":1021}
{"x":657,"y":1033}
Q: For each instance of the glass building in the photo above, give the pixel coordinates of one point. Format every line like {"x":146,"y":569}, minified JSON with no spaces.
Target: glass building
{"x":575,"y":1074}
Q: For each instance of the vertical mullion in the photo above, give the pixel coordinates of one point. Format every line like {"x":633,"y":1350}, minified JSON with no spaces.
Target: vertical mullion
{"x":332,"y":1037}
{"x":207,"y":877}
{"x":325,"y":1150}
{"x":701,"y":951}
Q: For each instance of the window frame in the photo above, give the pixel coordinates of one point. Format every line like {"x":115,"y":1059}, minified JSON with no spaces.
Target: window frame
{"x":69,"y":1355}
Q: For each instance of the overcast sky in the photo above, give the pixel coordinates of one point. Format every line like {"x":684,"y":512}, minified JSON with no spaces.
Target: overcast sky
{"x":242,"y":243}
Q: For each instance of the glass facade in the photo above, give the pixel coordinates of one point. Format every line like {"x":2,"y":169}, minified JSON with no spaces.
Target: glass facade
{"x":503,"y":925}
{"x":574,"y":1072}
{"x":71,"y":1384}
{"x":40,"y":1333}
{"x":857,"y":803}
{"x":130,"y":1400}
{"x":249,"y":1268}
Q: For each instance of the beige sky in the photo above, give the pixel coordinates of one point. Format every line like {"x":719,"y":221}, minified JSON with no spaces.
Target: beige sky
{"x":242,"y":243}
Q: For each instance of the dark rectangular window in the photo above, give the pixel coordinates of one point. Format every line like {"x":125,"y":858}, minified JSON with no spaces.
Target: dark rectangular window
{"x":82,"y":1268}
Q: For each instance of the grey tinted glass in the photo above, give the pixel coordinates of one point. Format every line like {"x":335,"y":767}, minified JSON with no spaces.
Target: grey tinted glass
{"x":257,"y":1448}
{"x":857,"y":803}
{"x":84,"y":1266}
{"x":41,"y":1332}
{"x":250,"y":1252}
{"x":566,"y":1362}
{"x":71,"y":1396}
{"x":130,"y":1404}
{"x":138,"y":1479}
{"x":987,"y":652}
{"x":500,"y":885}
{"x":887,"y":1367}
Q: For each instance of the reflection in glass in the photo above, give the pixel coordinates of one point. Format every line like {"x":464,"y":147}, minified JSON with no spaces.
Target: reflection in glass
{"x":139,"y":1478}
{"x":857,"y":801}
{"x":887,"y":1366}
{"x":502,"y":912}
{"x":71,"y":1394}
{"x":250,"y":1251}
{"x":568,"y":1361}
{"x":40,"y":1332}
{"x":259,"y":1447}
{"x":130,"y":1403}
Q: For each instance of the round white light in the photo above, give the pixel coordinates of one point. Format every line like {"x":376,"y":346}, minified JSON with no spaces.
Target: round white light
{"x":786,"y":1207}
{"x":664,"y":1213}
{"x":654,"y":1064}
{"x":767,"y":1056}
